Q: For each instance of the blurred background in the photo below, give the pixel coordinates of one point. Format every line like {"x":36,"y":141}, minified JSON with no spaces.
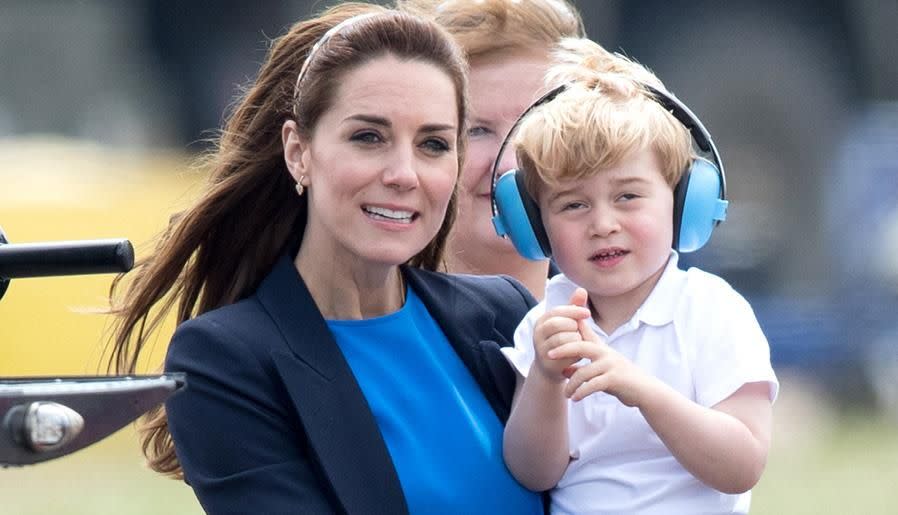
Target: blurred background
{"x":104,"y":104}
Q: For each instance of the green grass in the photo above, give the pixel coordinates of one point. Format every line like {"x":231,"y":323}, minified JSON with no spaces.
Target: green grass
{"x":840,"y":466}
{"x":848,"y":468}
{"x":108,"y":477}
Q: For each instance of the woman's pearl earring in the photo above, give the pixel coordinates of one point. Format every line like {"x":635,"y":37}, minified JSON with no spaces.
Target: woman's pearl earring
{"x":300,"y":187}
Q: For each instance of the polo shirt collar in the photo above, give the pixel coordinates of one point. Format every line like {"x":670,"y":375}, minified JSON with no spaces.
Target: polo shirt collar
{"x":661,"y":305}
{"x":657,"y":310}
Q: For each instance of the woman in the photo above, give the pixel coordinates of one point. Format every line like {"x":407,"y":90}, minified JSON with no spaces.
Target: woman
{"x":329,"y":369}
{"x":508,"y":45}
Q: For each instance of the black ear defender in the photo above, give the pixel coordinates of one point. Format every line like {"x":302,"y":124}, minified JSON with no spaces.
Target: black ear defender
{"x":700,"y":202}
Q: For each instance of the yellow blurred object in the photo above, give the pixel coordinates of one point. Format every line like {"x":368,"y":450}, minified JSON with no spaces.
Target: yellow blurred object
{"x":52,"y":189}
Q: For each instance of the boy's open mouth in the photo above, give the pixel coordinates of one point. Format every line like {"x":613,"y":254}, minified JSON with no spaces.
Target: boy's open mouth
{"x":608,"y":255}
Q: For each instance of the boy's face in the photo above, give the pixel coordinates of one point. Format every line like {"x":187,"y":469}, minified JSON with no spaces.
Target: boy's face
{"x":611,"y":233}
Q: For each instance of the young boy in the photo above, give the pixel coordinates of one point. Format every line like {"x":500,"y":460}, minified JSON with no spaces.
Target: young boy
{"x":643,"y":388}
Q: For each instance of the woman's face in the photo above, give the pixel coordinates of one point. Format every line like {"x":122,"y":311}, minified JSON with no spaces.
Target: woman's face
{"x":501,"y":87}
{"x":382,"y":162}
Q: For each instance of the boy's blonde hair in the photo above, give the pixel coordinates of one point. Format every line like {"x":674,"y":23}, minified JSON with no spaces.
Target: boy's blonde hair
{"x":486,"y":27}
{"x":604,"y":116}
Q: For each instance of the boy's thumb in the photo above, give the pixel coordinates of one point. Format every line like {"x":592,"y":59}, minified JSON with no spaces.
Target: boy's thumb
{"x":586,"y":332}
{"x":579,"y":297}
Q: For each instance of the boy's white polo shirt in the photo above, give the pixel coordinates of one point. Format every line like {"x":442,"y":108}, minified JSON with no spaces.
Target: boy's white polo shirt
{"x":696,"y":334}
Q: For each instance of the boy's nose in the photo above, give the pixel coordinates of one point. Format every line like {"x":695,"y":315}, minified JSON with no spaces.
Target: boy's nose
{"x":603,"y":222}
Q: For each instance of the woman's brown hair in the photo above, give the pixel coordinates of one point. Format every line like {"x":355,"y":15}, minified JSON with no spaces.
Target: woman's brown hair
{"x":218,"y":250}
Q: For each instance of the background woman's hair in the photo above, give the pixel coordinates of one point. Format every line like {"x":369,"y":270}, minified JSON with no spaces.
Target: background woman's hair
{"x":484,"y":27}
{"x":218,"y":250}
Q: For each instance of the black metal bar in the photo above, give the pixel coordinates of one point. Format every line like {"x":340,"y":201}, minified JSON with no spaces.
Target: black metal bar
{"x":65,"y":258}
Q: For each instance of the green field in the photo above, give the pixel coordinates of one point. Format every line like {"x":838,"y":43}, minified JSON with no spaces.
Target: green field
{"x":819,"y":464}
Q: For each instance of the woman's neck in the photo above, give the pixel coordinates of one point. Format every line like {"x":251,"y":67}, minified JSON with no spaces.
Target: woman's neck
{"x":350,"y":288}
{"x":532,"y":274}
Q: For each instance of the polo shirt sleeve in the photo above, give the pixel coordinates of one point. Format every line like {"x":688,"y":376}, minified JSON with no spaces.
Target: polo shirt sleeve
{"x":521,"y":356}
{"x":728,"y":347}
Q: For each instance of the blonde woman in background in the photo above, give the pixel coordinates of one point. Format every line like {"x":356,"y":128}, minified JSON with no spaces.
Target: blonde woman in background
{"x":507,"y":44}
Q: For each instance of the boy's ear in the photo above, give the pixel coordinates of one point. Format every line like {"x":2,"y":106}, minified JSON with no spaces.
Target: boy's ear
{"x":296,"y":150}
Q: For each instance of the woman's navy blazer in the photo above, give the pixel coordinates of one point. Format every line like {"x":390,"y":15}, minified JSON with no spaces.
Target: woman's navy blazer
{"x":272,"y":419}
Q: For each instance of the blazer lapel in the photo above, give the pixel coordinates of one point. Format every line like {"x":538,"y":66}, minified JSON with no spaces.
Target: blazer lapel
{"x":341,"y":429}
{"x":469,"y":325}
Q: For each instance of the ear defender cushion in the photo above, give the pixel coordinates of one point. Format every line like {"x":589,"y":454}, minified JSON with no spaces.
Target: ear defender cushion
{"x":698,"y":207}
{"x":519,"y":218}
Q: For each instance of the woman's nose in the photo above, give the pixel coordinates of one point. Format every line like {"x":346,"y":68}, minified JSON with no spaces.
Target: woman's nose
{"x":400,"y":172}
{"x":507,"y":160}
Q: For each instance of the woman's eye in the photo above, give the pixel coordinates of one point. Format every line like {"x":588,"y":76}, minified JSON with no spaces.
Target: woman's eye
{"x":477,"y":131}
{"x":366,"y":137}
{"x":436,"y":145}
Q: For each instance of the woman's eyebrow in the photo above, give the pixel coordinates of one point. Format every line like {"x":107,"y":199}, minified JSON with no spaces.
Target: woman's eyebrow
{"x":370,"y":118}
{"x":437,"y":127}
{"x":385,"y":122}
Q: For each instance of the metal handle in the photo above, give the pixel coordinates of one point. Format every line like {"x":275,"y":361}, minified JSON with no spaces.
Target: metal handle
{"x":65,"y":258}
{"x":62,"y":258}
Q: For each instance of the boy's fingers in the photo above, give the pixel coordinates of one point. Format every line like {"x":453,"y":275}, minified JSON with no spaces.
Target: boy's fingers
{"x":557,"y":324}
{"x":586,"y":388}
{"x":577,"y":349}
{"x":560,"y":338}
{"x":589,"y":373}
{"x":568,"y":311}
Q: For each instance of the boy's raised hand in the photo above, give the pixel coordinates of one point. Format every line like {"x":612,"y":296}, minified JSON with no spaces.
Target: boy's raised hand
{"x":609,"y":371}
{"x":557,"y":327}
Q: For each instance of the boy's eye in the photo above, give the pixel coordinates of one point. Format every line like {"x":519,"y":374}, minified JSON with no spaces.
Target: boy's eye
{"x":366,"y":137}
{"x":477,"y":131}
{"x":573,"y":205}
{"x":628,"y":196}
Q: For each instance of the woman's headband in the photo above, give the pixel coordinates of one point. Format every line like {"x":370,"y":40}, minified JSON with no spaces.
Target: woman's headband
{"x":327,"y":35}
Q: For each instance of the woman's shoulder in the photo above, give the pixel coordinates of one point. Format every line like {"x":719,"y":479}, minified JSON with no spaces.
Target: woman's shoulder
{"x":229,"y":317}
{"x":239,"y":326}
{"x":495,"y":289}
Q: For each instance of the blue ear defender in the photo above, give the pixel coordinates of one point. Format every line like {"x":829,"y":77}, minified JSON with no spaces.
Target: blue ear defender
{"x":698,"y":206}
{"x":516,"y":214}
{"x":700,"y":202}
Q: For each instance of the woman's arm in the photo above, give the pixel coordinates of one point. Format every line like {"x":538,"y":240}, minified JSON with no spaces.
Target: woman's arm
{"x":240,"y":450}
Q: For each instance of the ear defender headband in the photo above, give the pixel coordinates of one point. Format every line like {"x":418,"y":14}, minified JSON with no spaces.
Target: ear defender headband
{"x":700,"y":202}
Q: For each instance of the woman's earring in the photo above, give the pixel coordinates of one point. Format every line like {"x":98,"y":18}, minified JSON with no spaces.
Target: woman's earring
{"x":300,"y":187}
